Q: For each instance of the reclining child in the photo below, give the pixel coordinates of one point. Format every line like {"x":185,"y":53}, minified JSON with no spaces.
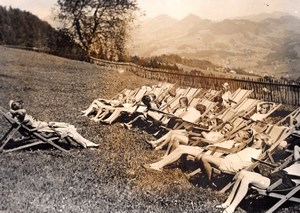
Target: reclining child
{"x":196,"y":151}
{"x":290,"y":176}
{"x":63,"y":129}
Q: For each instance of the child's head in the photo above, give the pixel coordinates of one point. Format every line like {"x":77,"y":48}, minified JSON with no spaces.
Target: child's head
{"x":201,"y":108}
{"x":183,"y":102}
{"x":264,"y":108}
{"x":261,"y":140}
{"x":16,"y":105}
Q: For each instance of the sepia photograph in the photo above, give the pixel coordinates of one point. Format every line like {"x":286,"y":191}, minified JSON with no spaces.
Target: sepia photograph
{"x":149,"y":106}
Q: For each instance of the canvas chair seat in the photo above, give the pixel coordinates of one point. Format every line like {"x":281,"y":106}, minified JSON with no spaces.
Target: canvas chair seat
{"x":277,"y":135}
{"x":29,"y":137}
{"x":274,"y":190}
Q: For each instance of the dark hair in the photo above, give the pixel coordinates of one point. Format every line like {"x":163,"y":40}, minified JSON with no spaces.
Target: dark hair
{"x":185,"y":100}
{"x":16,"y":105}
{"x":249,"y":133}
{"x":201,"y":108}
{"x":146,"y":100}
{"x":219,"y":121}
{"x":218,"y":99}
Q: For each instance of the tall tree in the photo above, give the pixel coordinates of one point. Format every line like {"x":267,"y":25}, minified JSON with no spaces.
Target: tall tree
{"x":99,"y":26}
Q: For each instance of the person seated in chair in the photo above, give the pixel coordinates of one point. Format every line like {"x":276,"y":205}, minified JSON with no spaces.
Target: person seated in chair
{"x":192,"y":115}
{"x":236,"y":142}
{"x":237,"y":161}
{"x":289,"y":175}
{"x":97,"y":104}
{"x":150,"y":102}
{"x":262,"y":110}
{"x":62,"y":129}
{"x":226,"y":94}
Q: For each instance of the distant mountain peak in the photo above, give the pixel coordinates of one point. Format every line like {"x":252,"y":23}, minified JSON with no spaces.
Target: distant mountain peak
{"x":191,"y":17}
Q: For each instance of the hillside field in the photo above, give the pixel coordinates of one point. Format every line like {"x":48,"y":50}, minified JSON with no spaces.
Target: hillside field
{"x":107,"y":179}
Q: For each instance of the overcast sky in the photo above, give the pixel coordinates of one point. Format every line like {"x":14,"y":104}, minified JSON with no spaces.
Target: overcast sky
{"x":209,"y":9}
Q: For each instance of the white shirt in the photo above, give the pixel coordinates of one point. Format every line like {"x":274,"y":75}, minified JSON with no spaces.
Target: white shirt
{"x":294,"y":169}
{"x":191,"y":115}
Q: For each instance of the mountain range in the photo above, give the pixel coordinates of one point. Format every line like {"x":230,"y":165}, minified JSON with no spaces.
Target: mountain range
{"x":264,"y":43}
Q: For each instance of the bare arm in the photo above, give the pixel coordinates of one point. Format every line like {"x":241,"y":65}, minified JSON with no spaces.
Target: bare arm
{"x":296,"y":152}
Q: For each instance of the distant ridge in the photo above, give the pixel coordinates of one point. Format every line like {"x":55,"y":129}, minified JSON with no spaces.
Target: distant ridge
{"x":266,"y":42}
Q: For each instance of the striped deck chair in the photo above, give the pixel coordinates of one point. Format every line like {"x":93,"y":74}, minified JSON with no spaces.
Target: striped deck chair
{"x":192,"y":93}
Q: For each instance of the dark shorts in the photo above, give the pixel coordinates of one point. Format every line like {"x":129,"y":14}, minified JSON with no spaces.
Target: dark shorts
{"x":286,"y":180}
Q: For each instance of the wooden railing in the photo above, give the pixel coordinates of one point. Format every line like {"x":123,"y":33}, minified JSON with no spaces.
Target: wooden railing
{"x":279,"y":92}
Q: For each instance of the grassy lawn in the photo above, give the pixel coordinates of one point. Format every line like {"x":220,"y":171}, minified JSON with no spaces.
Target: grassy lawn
{"x":107,"y":179}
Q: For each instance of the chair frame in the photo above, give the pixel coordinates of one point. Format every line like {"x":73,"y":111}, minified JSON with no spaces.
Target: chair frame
{"x":32,"y":137}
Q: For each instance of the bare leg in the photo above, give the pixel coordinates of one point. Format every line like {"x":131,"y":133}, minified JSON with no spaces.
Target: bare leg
{"x":161,"y":139}
{"x":176,"y":139}
{"x":94,"y":104}
{"x":114,"y":115}
{"x":206,"y":161}
{"x":166,"y":136}
{"x":241,"y":190}
{"x":72,"y":132}
{"x":175,"y":155}
{"x":100,"y":111}
{"x":105,"y":112}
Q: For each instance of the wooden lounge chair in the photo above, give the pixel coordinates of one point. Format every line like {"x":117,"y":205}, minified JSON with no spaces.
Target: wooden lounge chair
{"x":283,"y":195}
{"x":277,"y":135}
{"x":239,"y":95}
{"x":29,"y":138}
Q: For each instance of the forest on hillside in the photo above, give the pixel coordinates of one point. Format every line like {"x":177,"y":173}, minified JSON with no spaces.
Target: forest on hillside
{"x":21,"y":28}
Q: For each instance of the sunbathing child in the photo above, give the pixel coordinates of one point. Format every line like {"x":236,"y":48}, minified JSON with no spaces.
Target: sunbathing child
{"x":226,"y":94}
{"x":290,"y":176}
{"x":98,"y":103}
{"x":235,"y":162}
{"x":262,"y":110}
{"x":182,"y":136}
{"x":236,"y":142}
{"x":63,"y":129}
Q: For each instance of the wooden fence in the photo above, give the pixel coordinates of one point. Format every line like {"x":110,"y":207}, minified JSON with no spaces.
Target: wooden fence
{"x":279,"y":92}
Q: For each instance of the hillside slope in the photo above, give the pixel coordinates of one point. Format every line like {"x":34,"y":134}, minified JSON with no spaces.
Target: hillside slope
{"x":107,"y":179}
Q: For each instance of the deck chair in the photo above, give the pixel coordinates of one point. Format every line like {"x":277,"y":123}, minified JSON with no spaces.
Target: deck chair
{"x":210,"y":94}
{"x":220,"y":150}
{"x":258,"y":116}
{"x":239,"y":95}
{"x":282,"y":194}
{"x":291,"y":120}
{"x":192,"y":92}
{"x":277,"y":134}
{"x":29,"y":138}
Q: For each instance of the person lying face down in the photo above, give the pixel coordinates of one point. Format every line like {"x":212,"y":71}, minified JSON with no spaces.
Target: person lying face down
{"x":290,"y":176}
{"x":238,"y":141}
{"x":63,"y":129}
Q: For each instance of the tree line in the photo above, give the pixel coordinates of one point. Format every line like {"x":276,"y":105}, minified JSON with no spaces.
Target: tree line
{"x":21,"y":28}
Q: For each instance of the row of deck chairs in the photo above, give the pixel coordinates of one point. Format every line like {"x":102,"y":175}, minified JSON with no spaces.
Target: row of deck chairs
{"x":243,"y":112}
